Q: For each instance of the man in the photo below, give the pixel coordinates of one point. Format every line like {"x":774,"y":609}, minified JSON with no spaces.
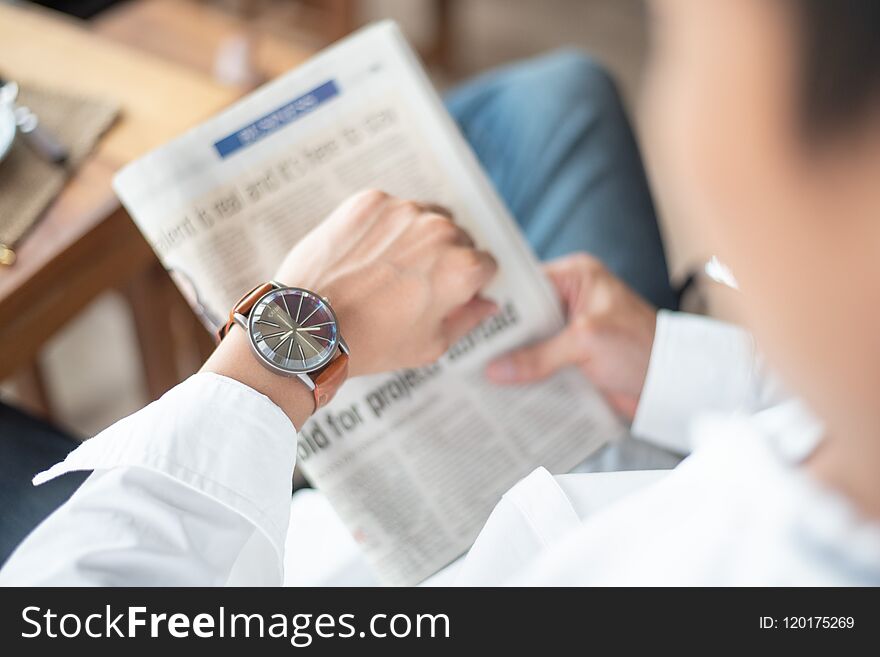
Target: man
{"x":770,"y":147}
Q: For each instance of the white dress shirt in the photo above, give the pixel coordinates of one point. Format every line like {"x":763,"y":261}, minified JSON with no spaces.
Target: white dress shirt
{"x":195,"y":489}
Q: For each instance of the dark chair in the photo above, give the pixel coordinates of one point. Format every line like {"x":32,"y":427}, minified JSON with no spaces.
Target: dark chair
{"x":27,"y":446}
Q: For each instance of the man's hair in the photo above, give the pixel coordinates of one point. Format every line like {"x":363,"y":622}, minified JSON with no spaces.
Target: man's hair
{"x":841,"y":60}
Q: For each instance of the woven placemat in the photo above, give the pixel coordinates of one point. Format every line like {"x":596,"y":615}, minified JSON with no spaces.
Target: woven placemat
{"x":28,"y":183}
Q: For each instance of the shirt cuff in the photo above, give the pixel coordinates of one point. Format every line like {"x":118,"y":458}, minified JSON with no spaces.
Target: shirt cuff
{"x":697,"y":364}
{"x":213,"y":434}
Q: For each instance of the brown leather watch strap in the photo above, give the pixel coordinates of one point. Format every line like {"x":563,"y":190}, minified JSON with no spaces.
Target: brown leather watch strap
{"x":243,"y":307}
{"x":328,"y":380}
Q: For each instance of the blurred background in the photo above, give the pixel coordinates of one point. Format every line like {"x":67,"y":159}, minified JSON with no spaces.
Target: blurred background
{"x":88,"y":367}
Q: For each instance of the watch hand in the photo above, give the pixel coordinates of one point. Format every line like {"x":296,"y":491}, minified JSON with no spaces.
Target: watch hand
{"x":282,"y":340}
{"x":302,"y":340}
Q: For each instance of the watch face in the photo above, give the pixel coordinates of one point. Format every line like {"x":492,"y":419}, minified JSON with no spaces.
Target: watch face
{"x":294,"y":330}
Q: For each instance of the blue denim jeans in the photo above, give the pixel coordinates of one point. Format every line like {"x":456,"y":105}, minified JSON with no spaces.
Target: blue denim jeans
{"x":553,"y":136}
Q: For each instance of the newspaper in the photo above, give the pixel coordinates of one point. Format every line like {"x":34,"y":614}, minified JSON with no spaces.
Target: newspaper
{"x":413,"y":461}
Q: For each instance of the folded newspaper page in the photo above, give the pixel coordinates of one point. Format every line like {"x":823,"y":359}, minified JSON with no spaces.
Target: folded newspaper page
{"x":413,"y":461}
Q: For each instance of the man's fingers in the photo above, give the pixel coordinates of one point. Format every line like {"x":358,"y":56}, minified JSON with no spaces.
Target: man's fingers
{"x":582,"y":263}
{"x":623,"y":404}
{"x":534,"y":362}
{"x":436,"y":208}
{"x":465,"y":272}
{"x":462,"y":237}
{"x":468,"y":317}
{"x":442,"y":222}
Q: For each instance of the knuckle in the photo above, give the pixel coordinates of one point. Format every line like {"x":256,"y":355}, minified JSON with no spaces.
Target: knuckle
{"x":471,"y":262}
{"x":465,"y":270}
{"x":480,"y":266}
{"x":436,"y":208}
{"x":407,"y":206}
{"x":441,"y":221}
{"x":442,"y":227}
{"x":587,"y":263}
{"x":584,"y":326}
{"x":372,"y":195}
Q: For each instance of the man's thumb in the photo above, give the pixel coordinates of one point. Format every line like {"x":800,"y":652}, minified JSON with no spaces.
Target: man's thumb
{"x":534,"y":362}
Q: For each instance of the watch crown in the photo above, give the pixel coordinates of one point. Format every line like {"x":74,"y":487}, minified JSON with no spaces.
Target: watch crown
{"x":326,"y":300}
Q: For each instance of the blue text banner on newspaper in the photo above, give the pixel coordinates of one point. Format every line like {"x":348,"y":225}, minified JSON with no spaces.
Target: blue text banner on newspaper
{"x":276,"y":119}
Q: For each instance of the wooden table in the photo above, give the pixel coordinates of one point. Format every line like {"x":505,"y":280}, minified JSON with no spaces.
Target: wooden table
{"x":86,"y":244}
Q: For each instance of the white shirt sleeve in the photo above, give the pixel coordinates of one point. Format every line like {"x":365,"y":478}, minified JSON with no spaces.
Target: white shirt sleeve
{"x":194,"y":489}
{"x":698,"y":365}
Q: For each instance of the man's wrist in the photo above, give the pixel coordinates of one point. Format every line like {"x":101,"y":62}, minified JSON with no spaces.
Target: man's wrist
{"x":233,"y":358}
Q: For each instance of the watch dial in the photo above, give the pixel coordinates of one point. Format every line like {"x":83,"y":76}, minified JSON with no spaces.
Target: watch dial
{"x":294,"y":330}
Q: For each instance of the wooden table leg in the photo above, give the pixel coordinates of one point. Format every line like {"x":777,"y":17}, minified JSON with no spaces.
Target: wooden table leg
{"x":195,"y":342}
{"x":31,"y":390}
{"x":339,"y":20}
{"x":439,"y":53}
{"x":150,"y":296}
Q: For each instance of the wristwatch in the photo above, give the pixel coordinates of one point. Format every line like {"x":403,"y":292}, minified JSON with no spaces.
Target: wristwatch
{"x":294,"y":332}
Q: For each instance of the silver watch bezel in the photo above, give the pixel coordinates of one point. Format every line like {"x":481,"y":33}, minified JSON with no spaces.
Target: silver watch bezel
{"x":247,"y":323}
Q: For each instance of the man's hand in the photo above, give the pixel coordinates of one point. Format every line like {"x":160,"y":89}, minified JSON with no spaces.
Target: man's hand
{"x":404,"y":282}
{"x":403,"y":279}
{"x":609,"y":335}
